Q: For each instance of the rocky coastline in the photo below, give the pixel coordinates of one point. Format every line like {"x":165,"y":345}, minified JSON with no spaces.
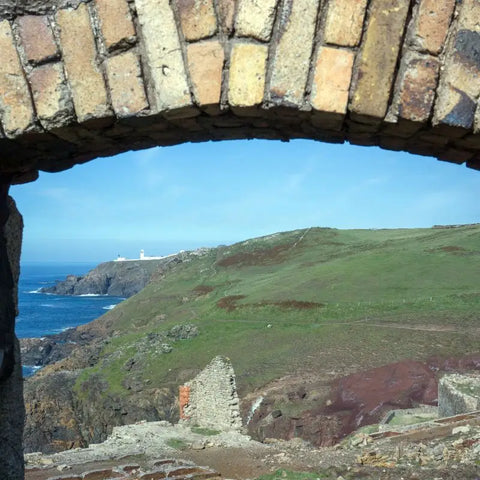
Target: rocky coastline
{"x":117,"y":278}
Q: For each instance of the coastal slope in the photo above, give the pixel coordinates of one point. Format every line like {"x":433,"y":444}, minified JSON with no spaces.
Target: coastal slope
{"x":304,"y":316}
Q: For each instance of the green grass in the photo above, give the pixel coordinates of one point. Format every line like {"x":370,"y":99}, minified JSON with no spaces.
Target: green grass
{"x":370,"y":289}
{"x":282,"y":474}
{"x":176,"y":443}
{"x":205,"y":431}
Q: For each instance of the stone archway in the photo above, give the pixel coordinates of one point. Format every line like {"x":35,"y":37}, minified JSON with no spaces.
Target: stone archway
{"x":81,"y":79}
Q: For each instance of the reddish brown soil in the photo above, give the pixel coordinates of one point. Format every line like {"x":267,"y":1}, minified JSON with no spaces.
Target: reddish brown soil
{"x":294,"y":304}
{"x":229,"y":303}
{"x":202,"y":289}
{"x":367,"y":396}
{"x":448,"y":249}
{"x":353,"y":401}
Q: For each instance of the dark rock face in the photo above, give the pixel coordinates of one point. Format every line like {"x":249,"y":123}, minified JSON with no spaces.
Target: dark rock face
{"x":119,"y":279}
{"x":58,"y":418}
{"x":12,"y":412}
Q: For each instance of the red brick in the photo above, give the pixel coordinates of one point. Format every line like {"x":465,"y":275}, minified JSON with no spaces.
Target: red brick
{"x":51,"y":95}
{"x":205,"y":63}
{"x":332,"y":77}
{"x":37,"y":38}
{"x":431,"y":25}
{"x":115,"y":22}
{"x":197,"y":18}
{"x":417,"y":87}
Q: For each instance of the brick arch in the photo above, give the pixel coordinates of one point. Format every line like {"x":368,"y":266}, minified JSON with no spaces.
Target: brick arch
{"x":86,"y":78}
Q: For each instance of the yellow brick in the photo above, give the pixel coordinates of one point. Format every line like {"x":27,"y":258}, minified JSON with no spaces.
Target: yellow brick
{"x":79,"y":55}
{"x":15,"y":102}
{"x":255,"y":18}
{"x":247,"y":75}
{"x":344,"y":22}
{"x":126,"y":84}
{"x":291,"y":62}
{"x":378,"y":58}
{"x":164,"y":55}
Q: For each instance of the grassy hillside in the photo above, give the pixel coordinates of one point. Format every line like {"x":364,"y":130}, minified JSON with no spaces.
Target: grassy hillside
{"x":307,"y":300}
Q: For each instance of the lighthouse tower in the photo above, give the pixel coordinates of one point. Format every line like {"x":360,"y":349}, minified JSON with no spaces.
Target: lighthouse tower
{"x":142,"y":255}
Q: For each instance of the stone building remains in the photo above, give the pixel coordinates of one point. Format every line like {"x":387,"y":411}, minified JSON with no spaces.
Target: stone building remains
{"x":458,"y":394}
{"x":210,"y":400}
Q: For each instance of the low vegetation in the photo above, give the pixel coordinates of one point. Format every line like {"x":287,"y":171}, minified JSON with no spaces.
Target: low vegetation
{"x":311,"y":300}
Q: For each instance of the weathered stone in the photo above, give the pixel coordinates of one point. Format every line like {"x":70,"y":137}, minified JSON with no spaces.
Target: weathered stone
{"x":126,"y":84}
{"x":378,"y":58}
{"x":291,"y":60}
{"x":15,"y":103}
{"x":474,"y":163}
{"x":255,"y":19}
{"x":459,"y":87}
{"x":458,"y":394}
{"x":51,"y":95}
{"x":415,"y":92}
{"x":213,"y":400}
{"x":12,"y":410}
{"x":344,"y":22}
{"x":331,"y":81}
{"x":205,"y":63}
{"x":226,"y":15}
{"x":115,"y":22}
{"x":79,"y":55}
{"x":164,"y":56}
{"x":197,"y":18}
{"x":455,"y":155}
{"x":37,"y":38}
{"x":431,"y":25}
{"x":247,"y":75}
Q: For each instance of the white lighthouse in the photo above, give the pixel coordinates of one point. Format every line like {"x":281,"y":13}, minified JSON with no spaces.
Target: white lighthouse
{"x":142,"y":254}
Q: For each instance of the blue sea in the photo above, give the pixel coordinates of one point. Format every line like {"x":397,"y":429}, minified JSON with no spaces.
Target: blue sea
{"x":46,"y":314}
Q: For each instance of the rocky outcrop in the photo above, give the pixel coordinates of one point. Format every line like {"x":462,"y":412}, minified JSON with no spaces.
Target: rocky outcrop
{"x":119,"y":279}
{"x":60,"y":417}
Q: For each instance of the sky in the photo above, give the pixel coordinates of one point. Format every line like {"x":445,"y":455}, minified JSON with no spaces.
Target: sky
{"x":176,"y":198}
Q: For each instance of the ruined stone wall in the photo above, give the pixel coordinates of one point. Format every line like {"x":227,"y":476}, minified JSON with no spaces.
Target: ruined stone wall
{"x":87,"y":78}
{"x":458,"y":394}
{"x":12,"y":411}
{"x":212,"y":398}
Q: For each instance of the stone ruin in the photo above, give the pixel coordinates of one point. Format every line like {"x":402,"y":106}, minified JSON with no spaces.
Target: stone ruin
{"x":458,"y":394}
{"x":210,"y":400}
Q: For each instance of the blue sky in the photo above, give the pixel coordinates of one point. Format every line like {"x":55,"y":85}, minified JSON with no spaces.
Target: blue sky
{"x":183,"y":197}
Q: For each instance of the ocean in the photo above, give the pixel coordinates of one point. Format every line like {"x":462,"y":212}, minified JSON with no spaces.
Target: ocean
{"x":46,"y":314}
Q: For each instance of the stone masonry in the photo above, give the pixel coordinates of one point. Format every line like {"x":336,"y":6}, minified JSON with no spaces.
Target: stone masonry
{"x":458,"y":394}
{"x":212,"y":399}
{"x":86,"y":78}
